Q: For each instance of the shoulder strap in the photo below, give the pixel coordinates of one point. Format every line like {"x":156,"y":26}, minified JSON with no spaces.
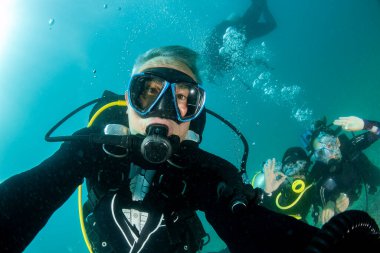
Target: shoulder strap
{"x":111,"y":109}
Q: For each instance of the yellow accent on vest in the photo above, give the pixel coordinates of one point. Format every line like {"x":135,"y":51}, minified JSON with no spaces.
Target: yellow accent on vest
{"x":253,"y":179}
{"x":297,"y":216}
{"x":304,"y":189}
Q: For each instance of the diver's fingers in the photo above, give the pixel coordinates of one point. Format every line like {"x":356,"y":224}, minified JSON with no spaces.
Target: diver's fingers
{"x":281,"y":178}
{"x":280,"y":174}
{"x":346,"y":118}
{"x":273,"y":163}
{"x":344,"y":125}
{"x":342,"y":205}
{"x":351,"y":123}
{"x":342,"y":196}
{"x":267,"y":170}
{"x":340,"y":122}
{"x":269,"y":165}
{"x":342,"y":202}
{"x":266,"y":165}
{"x":326,"y":215}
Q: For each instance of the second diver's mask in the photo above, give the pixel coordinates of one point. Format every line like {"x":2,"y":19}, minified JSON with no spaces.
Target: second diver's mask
{"x":294,"y":168}
{"x":166,"y":93}
{"x":326,"y":148}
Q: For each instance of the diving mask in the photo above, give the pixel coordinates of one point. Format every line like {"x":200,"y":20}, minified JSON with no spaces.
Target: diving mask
{"x":294,"y":168}
{"x":326,"y":148}
{"x":166,"y":93}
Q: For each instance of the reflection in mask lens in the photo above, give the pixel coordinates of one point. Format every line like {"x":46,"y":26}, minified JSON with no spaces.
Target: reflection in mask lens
{"x":189,"y":98}
{"x":145,"y":91}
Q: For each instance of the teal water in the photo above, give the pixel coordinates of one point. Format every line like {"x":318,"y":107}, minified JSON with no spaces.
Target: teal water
{"x":49,"y":51}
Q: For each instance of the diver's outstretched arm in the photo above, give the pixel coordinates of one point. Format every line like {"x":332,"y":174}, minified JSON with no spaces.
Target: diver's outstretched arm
{"x":353,"y":123}
{"x":258,"y":229}
{"x":28,"y":200}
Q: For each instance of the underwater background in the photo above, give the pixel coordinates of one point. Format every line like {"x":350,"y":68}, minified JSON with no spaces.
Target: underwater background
{"x":55,"y":55}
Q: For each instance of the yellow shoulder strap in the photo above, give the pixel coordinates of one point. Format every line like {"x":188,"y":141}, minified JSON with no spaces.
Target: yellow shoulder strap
{"x":80,"y":205}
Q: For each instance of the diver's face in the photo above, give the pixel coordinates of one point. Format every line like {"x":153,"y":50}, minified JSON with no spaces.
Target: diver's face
{"x":138,"y":125}
{"x":295,"y":169}
{"x":326,"y":148}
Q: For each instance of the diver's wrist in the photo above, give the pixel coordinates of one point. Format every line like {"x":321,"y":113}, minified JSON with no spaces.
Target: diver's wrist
{"x":370,"y":125}
{"x":268,"y":193}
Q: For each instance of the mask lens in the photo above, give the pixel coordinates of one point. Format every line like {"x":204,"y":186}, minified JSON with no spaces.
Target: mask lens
{"x":144,"y":91}
{"x":189,"y":99}
{"x":329,"y":142}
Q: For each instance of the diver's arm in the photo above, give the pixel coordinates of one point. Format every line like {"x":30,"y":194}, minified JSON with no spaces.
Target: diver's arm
{"x":259,"y":229}
{"x":227,"y":174}
{"x":28,"y":200}
{"x":353,"y":123}
{"x":255,"y":228}
{"x":364,"y":140}
{"x":372,"y":126}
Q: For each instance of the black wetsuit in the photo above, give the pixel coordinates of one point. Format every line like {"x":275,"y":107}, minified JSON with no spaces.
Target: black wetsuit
{"x":28,"y":200}
{"x":348,"y":175}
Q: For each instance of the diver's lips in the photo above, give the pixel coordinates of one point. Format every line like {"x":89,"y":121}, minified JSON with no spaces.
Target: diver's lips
{"x":163,"y":122}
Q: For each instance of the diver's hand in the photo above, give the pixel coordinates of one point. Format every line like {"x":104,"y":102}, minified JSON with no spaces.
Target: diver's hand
{"x":342,"y":203}
{"x":327,"y":212}
{"x":273,"y":179}
{"x":351,"y":123}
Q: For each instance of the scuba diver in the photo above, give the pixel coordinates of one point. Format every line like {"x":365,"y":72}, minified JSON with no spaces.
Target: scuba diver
{"x":146,"y":175}
{"x":341,"y":169}
{"x":147,"y":179}
{"x":286,"y":185}
{"x":227,"y":41}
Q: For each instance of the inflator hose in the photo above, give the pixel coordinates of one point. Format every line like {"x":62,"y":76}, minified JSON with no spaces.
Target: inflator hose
{"x":345,"y":232}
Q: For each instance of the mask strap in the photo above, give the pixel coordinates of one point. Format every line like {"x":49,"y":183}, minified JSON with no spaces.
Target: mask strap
{"x":192,"y":136}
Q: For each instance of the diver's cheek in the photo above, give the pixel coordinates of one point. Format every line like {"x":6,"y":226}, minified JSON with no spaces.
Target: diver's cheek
{"x":181,"y":129}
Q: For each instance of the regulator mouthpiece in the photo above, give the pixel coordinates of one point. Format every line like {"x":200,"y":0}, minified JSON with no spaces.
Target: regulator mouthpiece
{"x":156,"y":147}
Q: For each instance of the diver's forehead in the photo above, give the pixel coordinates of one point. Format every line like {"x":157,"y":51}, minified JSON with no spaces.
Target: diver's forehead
{"x":166,"y":62}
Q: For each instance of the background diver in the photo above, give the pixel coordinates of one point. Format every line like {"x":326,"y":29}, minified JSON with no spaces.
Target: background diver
{"x":341,"y":168}
{"x":227,"y":41}
{"x":287,"y":186}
